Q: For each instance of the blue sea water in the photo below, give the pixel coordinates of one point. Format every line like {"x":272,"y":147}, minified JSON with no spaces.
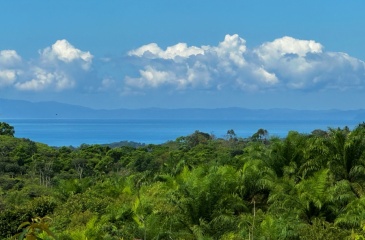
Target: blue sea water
{"x":74,"y":132}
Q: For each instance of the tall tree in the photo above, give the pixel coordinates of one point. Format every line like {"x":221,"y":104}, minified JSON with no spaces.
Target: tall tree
{"x":6,"y":129}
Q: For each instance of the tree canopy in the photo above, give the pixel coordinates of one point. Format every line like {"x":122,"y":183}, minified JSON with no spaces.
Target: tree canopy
{"x":302,"y":186}
{"x":6,"y":129}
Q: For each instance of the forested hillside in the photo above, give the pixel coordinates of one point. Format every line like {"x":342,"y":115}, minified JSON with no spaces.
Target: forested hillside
{"x":196,"y":187}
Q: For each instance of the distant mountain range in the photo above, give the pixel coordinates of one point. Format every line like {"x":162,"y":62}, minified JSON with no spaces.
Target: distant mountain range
{"x":25,"y":109}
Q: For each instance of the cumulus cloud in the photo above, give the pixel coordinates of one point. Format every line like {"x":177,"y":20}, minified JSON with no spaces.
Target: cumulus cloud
{"x":284,"y":63}
{"x":189,"y":67}
{"x":9,"y":58}
{"x":7,"y":77}
{"x":230,"y":50}
{"x":58,"y":67}
{"x":10,"y":63}
{"x":302,"y":64}
{"x":154,"y":51}
{"x":43,"y":79}
{"x":63,"y":51}
{"x":287,"y":45}
{"x":152,"y":78}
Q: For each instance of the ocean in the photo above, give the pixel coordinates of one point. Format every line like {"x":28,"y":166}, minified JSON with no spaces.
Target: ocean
{"x":74,"y":132}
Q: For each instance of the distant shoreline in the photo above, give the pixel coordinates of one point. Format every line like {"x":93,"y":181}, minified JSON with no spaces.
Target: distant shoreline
{"x":16,"y":109}
{"x":74,"y":132}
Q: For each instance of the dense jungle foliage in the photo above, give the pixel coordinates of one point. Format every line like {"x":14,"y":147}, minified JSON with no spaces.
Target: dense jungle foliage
{"x":303,"y":186}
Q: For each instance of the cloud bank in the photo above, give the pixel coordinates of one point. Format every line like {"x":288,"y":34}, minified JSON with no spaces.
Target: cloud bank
{"x":57,"y":68}
{"x":283,"y":64}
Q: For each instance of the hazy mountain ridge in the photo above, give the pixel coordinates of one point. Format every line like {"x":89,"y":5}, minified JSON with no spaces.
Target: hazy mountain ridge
{"x":26,"y":109}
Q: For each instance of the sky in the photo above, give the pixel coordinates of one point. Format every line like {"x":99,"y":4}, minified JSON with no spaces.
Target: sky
{"x":256,"y":54}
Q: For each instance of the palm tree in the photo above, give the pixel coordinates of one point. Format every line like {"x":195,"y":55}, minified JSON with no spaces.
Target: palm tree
{"x":255,"y":182}
{"x":353,"y":215}
{"x":286,"y":156}
{"x":207,"y":205}
{"x":346,"y":157}
{"x":342,"y":151}
{"x":304,"y":200}
{"x":314,"y":156}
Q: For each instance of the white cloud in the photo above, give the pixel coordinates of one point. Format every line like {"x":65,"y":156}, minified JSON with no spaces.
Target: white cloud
{"x":302,"y":64}
{"x":232,"y":50}
{"x":43,"y":79}
{"x":10,"y":62}
{"x":152,"y":50}
{"x":197,"y":75}
{"x":7,"y":77}
{"x":205,"y":67}
{"x":192,"y":67}
{"x":151,"y":77}
{"x":285,"y":63}
{"x":262,"y":75}
{"x":9,"y":58}
{"x":58,"y":67}
{"x":63,"y":51}
{"x":287,"y":45}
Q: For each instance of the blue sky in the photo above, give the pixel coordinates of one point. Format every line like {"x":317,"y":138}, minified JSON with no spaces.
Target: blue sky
{"x":173,"y":54}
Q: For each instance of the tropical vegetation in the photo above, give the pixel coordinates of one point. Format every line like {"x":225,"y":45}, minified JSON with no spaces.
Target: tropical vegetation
{"x":302,"y":186}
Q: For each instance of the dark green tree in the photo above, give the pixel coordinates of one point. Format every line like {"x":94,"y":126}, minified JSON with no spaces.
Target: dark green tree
{"x":260,"y":135}
{"x":6,"y":129}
